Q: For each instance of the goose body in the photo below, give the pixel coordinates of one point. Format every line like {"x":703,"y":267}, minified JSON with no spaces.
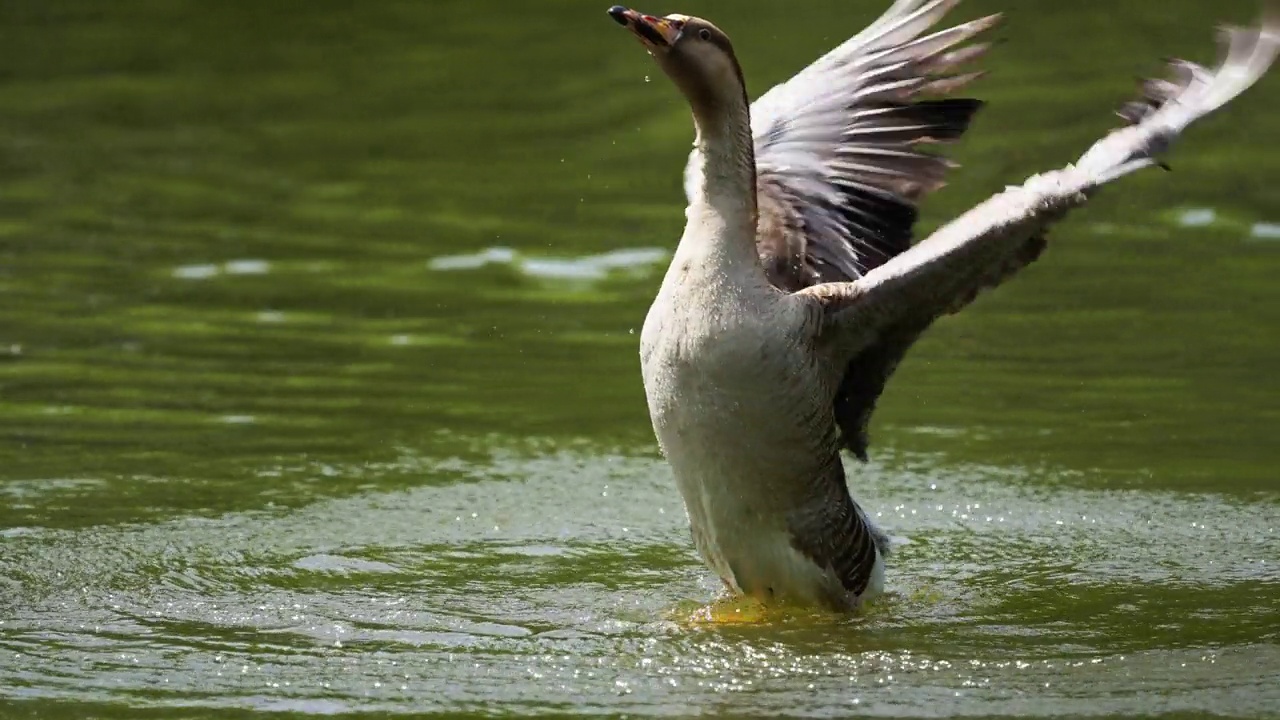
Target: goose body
{"x":738,"y":352}
{"x":795,"y":289}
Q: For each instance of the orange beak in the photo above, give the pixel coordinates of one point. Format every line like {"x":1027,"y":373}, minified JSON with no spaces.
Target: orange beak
{"x":654,"y":32}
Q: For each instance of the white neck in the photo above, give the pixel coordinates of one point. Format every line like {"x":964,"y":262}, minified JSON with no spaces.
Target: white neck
{"x":722,"y":186}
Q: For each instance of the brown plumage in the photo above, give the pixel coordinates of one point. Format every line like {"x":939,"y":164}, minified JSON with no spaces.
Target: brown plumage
{"x":796,"y":290}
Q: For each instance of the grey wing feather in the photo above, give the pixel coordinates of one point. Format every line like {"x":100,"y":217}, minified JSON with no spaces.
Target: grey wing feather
{"x":994,"y":240}
{"x":839,"y":147}
{"x":839,"y":537}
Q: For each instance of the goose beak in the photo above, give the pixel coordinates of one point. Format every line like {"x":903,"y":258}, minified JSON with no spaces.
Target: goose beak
{"x":654,"y":32}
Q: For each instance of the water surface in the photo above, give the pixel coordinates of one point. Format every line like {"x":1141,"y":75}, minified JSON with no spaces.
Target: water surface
{"x":320,"y":390}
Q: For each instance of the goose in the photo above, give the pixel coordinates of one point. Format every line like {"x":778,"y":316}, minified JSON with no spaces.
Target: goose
{"x":795,"y":289}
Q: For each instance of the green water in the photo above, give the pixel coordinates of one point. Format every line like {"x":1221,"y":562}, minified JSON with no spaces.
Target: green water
{"x":319,"y":389}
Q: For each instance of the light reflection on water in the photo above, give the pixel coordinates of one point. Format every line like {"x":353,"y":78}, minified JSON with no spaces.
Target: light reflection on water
{"x":590,"y":267}
{"x":558,"y":578}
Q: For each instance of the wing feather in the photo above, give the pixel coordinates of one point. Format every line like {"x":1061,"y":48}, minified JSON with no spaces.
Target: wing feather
{"x":839,"y":147}
{"x":993,"y":241}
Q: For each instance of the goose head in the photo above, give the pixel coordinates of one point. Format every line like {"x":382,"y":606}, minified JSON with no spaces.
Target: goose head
{"x":698,"y":58}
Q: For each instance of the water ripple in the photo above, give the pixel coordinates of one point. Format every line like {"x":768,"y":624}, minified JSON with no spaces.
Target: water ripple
{"x":538,"y":576}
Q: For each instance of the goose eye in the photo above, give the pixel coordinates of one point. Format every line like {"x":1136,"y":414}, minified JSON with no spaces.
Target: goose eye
{"x":705,"y":34}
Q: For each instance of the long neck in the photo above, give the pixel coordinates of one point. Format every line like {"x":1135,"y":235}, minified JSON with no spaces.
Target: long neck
{"x":723,"y":181}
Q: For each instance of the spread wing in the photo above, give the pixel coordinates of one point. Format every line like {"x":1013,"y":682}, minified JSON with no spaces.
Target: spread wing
{"x":842,"y":159}
{"x":994,"y":240}
{"x":841,"y":148}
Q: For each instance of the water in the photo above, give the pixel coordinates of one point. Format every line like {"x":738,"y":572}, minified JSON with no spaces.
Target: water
{"x":320,"y":389}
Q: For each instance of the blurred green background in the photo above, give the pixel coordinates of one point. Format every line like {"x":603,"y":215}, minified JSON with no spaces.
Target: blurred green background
{"x":292,"y":292}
